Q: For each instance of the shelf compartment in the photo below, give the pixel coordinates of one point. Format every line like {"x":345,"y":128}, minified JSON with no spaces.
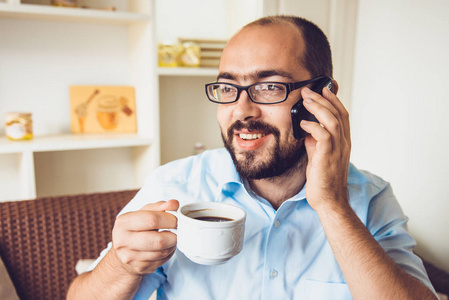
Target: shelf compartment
{"x":53,"y":13}
{"x":73,"y":142}
{"x":187,"y":71}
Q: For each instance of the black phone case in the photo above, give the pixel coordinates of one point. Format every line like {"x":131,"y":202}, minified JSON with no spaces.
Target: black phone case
{"x":299,"y":112}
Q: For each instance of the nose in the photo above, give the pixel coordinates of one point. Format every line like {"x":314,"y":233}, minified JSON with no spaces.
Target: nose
{"x":245,"y":109}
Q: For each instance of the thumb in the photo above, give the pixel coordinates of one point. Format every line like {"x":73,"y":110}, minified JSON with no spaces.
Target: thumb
{"x":162,"y":205}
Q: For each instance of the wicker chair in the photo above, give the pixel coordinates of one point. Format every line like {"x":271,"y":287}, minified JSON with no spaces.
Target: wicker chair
{"x":41,"y":240}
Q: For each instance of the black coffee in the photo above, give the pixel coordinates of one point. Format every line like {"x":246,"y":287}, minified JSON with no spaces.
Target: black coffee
{"x":213,"y":219}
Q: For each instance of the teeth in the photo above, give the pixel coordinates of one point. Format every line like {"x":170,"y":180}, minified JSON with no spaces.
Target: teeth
{"x":253,"y":136}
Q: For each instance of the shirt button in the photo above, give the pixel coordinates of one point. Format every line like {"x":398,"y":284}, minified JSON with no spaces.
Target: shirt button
{"x":274,"y":274}
{"x":277,"y":224}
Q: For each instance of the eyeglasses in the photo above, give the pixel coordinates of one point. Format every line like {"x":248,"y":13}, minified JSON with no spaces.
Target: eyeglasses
{"x":261,"y":92}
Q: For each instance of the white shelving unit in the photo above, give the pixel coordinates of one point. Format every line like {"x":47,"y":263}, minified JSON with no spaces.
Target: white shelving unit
{"x":65,"y":142}
{"x":187,"y":117}
{"x":53,"y":13}
{"x":193,"y":72}
{"x":107,"y":48}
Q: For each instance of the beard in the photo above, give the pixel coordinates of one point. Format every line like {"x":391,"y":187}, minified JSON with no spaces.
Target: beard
{"x":280,"y":160}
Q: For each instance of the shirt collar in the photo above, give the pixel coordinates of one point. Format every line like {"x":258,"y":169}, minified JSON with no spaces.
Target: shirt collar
{"x":228,"y":175}
{"x":225,"y":167}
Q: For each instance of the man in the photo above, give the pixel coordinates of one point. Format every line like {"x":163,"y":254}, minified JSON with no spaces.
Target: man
{"x":317,"y":228}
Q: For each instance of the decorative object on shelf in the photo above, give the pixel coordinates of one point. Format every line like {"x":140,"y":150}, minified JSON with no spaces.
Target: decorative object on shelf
{"x":107,"y":8}
{"x":64,"y":3}
{"x":19,"y":126}
{"x":99,"y":109}
{"x":168,"y":54}
{"x":210,"y":51}
{"x":190,"y":55}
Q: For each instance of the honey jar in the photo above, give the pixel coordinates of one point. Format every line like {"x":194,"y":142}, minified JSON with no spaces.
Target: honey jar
{"x":190,"y":57}
{"x":19,"y":126}
{"x":64,"y":3}
{"x":168,"y":54}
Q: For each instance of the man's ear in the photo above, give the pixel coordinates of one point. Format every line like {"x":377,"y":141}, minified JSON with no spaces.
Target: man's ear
{"x":335,"y":84}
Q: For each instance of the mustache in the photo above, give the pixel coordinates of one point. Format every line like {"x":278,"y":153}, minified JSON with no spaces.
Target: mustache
{"x":252,"y":125}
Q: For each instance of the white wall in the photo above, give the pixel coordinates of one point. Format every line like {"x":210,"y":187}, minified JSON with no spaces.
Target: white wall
{"x":190,"y":19}
{"x":399,"y":111}
{"x":337,"y":19}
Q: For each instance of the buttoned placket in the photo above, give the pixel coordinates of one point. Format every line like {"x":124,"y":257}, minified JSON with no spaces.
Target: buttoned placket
{"x":274,"y":264}
{"x":273,"y":269}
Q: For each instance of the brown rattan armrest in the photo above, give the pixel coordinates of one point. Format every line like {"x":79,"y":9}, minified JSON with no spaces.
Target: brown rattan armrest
{"x":41,"y":240}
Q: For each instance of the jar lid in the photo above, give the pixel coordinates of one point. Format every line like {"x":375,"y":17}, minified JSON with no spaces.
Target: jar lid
{"x":190,"y":44}
{"x":14,"y":115}
{"x":18,"y":115}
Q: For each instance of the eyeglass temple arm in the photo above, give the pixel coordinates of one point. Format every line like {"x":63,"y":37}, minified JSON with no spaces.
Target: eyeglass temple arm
{"x":298,"y":85}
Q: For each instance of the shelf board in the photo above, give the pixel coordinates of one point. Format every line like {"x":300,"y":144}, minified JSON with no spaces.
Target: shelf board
{"x":66,"y":142}
{"x":53,"y":13}
{"x":187,"y":71}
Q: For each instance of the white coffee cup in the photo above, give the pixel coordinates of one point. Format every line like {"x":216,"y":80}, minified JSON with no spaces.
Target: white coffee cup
{"x":209,"y":242}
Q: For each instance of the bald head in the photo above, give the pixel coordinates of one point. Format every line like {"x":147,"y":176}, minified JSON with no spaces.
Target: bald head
{"x":261,"y":47}
{"x":316,"y":56}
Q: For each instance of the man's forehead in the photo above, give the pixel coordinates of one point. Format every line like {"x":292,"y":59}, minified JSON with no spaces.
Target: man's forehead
{"x":254,"y":75}
{"x":286,"y":28}
{"x":284,"y":33}
{"x":259,"y":52}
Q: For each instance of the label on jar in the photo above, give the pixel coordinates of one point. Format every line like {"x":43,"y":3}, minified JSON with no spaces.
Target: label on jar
{"x":16,"y":131}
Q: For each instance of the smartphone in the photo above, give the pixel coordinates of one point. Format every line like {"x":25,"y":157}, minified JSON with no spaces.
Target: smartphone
{"x":299,"y":112}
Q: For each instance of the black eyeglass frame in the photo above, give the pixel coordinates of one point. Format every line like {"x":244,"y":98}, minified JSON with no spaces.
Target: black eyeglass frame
{"x":289,"y":86}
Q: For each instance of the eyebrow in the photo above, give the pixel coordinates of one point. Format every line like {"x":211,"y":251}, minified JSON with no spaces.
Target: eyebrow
{"x":255,"y":75}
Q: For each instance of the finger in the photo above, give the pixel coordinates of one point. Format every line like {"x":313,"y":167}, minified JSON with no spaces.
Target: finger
{"x":136,"y":256}
{"x":162,"y":205}
{"x":328,"y":120}
{"x":145,"y":220}
{"x":343,"y":112}
{"x":309,"y":94}
{"x":148,"y":241}
{"x":160,"y":255}
{"x":141,"y":262}
{"x":322,"y":137}
{"x":333,"y":104}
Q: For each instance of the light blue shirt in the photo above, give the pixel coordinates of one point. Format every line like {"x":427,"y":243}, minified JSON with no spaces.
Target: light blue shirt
{"x":286,"y":254}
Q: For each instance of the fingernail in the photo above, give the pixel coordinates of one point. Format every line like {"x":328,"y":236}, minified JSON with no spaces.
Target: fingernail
{"x":306,"y":89}
{"x":308,"y":100}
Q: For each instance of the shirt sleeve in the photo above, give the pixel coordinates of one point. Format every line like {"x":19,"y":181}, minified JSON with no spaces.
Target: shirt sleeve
{"x":102,"y":254}
{"x":149,"y":284}
{"x":388,"y":224}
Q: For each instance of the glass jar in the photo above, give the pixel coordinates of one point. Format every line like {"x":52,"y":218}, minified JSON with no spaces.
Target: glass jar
{"x":107,"y":112}
{"x":190,"y":57}
{"x":19,"y":126}
{"x":64,"y":3}
{"x":168,"y":54}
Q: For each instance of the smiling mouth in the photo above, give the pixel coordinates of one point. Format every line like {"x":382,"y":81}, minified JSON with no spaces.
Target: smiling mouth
{"x":251,"y":136}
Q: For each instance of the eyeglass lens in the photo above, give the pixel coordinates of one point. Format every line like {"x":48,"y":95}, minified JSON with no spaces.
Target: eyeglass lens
{"x":266,"y":92}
